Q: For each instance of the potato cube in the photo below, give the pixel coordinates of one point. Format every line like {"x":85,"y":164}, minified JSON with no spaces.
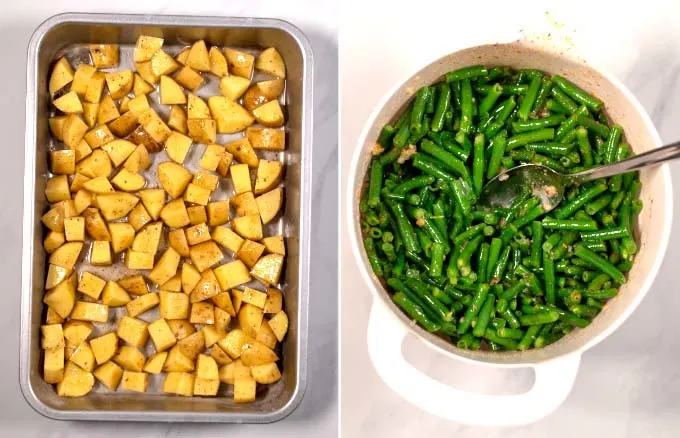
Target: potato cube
{"x":134,"y":381}
{"x":245,"y":204}
{"x":190,"y":277}
{"x":267,"y":138}
{"x":74,"y":229}
{"x":56,"y":189}
{"x":138,"y":217}
{"x":177,"y":145}
{"x":275,"y":244}
{"x":268,"y":269}
{"x":206,"y":387}
{"x":76,"y":382}
{"x":250,"y":252}
{"x":279,"y":325}
{"x":52,"y":336}
{"x":174,"y":284}
{"x":250,"y":319}
{"x":133,"y":331}
{"x":189,"y":79}
{"x":148,"y":238}
{"x":104,"y":347}
{"x":52,"y":317}
{"x":197,"y":108}
{"x":76,"y":332}
{"x":202,"y":313}
{"x":197,"y":214}
{"x":211,"y":157}
{"x":162,"y":63}
{"x":109,"y":374}
{"x":220,"y":356}
{"x":146,"y":47}
{"x":218,"y":63}
{"x":243,"y":152}
{"x":114,"y":295}
{"x":239,"y":63}
{"x":178,"y":240}
{"x":256,"y":353}
{"x":222,"y":320}
{"x":91,"y":285}
{"x":101,"y":253}
{"x":197,"y":194}
{"x":85,"y":311}
{"x":240,"y":176}
{"x":202,"y":130}
{"x":98,"y":136}
{"x":55,"y":275}
{"x":244,"y":390}
{"x":198,"y":234}
{"x":266,"y":336}
{"x":254,"y":297}
{"x":178,"y":361}
{"x":206,"y":288}
{"x":166,"y":267}
{"x":192,"y":345}
{"x":130,"y":358}
{"x":198,"y":56}
{"x":139,"y":260}
{"x":107,"y":111}
{"x":134,"y":284}
{"x":142,"y":303}
{"x":83,"y":357}
{"x":174,"y":305}
{"x":204,"y":255}
{"x":218,"y":213}
{"x":274,"y":301}
{"x":177,"y":120}
{"x":248,"y":227}
{"x":53,"y":365}
{"x":175,"y":214}
{"x":153,"y":200}
{"x":62,"y":298}
{"x":232,"y":274}
{"x":181,"y":328}
{"x":104,"y":55}
{"x":206,"y":180}
{"x":69,"y":103}
{"x":122,"y":236}
{"x":62,"y":75}
{"x":233,"y":343}
{"x":154,"y":365}
{"x":225,"y":163}
{"x":173,"y":178}
{"x":179,"y":383}
{"x":227,"y":238}
{"x":161,"y":335}
{"x":211,"y":335}
{"x":171,"y":92}
{"x":266,"y":373}
{"x":206,"y":368}
{"x":63,"y":162}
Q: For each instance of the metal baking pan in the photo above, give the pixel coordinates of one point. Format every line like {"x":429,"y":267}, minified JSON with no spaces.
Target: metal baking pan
{"x":69,"y":35}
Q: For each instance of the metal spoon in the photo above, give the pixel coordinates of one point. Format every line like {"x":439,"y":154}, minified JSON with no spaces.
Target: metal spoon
{"x":550,"y":186}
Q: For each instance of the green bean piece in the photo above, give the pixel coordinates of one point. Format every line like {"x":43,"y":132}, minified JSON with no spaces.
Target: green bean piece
{"x":408,"y":235}
{"x":529,"y":337}
{"x":508,"y":344}
{"x":437,"y":260}
{"x":584,"y":146}
{"x":443,"y":104}
{"x":473,"y":309}
{"x":418,"y":112}
{"x":530,"y":97}
{"x":539,"y":318}
{"x":386,"y":135}
{"x":505,"y":110}
{"x":373,"y":257}
{"x":413,"y":183}
{"x":608,"y":234}
{"x":593,"y":126}
{"x":375,"y":183}
{"x":569,"y":224}
{"x":584,"y":310}
{"x":616,"y":181}
{"x":534,"y":124}
{"x":490,"y":99}
{"x":478,"y":163}
{"x":415,"y":312}
{"x":600,"y":294}
{"x":423,"y":292}
{"x":593,"y":207}
{"x":576,"y":93}
{"x":484,"y":316}
{"x":431,"y":98}
{"x":498,"y":146}
{"x":535,"y":136}
{"x":549,"y":277}
{"x":450,"y":144}
{"x":461,"y":196}
{"x":499,"y":269}
{"x":466,"y":73}
{"x":465,"y":341}
{"x":580,"y":200}
{"x":510,"y":333}
{"x":494,"y":253}
{"x":516,"y":89}
{"x":463,"y":261}
{"x":536,"y":242}
{"x":446,"y":160}
{"x":612,"y":144}
{"x":543,"y":93}
{"x":483,"y":261}
{"x":466,"y":106}
{"x":598,"y":262}
{"x":565,"y":101}
{"x":431,"y":167}
{"x":554,"y":107}
{"x":570,"y":124}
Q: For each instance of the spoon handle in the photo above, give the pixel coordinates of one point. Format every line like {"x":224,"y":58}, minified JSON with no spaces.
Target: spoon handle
{"x":646,"y":159}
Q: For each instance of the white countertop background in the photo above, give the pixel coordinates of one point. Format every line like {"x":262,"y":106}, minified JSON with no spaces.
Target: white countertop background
{"x":317,"y":415}
{"x":629,"y":385}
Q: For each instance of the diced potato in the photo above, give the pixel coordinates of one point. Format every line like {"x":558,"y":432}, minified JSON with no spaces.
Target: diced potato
{"x":90,"y":112}
{"x":206,"y":387}
{"x":243,"y":152}
{"x":134,"y":284}
{"x":177,"y":146}
{"x":138,"y":160}
{"x":244,"y":204}
{"x":66,"y":255}
{"x":138,"y":217}
{"x":218,"y":63}
{"x":173,"y":177}
{"x":134,"y":381}
{"x":122,"y":236}
{"x":202,"y":313}
{"x":248,"y":227}
{"x":202,"y":130}
{"x":101,"y":253}
{"x":266,"y":374}
{"x":220,"y":356}
{"x":174,"y":305}
{"x":166,"y":267}
{"x":62,"y":75}
{"x":95,"y":86}
{"x":178,"y":240}
{"x":109,"y":374}
{"x":269,"y":114}
{"x":274,"y":301}
{"x":54,"y":219}
{"x":63,"y":162}
{"x":81,"y":79}
{"x":204,"y":255}
{"x":146,"y":47}
{"x":250,"y":319}
{"x":239,"y":63}
{"x":69,"y":103}
{"x":232,"y":274}
{"x":218,"y":213}
{"x":211,"y":335}
{"x":107,"y":111}
{"x":270,"y":62}
{"x":196,"y":194}
{"x":197,"y":108}
{"x":197,"y":214}
{"x":206,"y":288}
{"x":279,"y":325}
{"x":139,"y":105}
{"x":124,"y":125}
{"x":269,"y":204}
{"x":74,"y":229}
{"x":140,"y":87}
{"x":104,"y":347}
{"x":139,"y":260}
{"x":206,"y":368}
{"x":95,"y":225}
{"x":114,"y":295}
{"x":116,"y":205}
{"x":145,"y":70}
{"x":174,"y":214}
{"x":76,"y":382}
{"x":82,"y":200}
{"x":189,"y":79}
{"x":225,"y":163}
{"x":154,"y":365}
{"x":181,"y":328}
{"x":266,"y":336}
{"x":162,"y":63}
{"x":198,"y":56}
{"x":171,"y":92}
{"x":124,"y":105}
{"x":192,"y":345}
{"x":211,"y":157}
{"x":177,"y":119}
{"x":130,"y":358}
{"x":190,"y":277}
{"x":250,"y":252}
{"x":244,"y":390}
{"x":56,"y":126}
{"x":130,"y":182}
{"x":256,"y":353}
{"x":233,"y":87}
{"x":254,"y":297}
{"x":227,"y":238}
{"x":73,"y":131}
{"x":104,"y":55}
{"x":161,"y":335}
{"x":52,"y":336}
{"x":268,"y":175}
{"x":53,"y":241}
{"x":99,"y":185}
{"x":267,"y":139}
{"x":275,"y":244}
{"x":133,"y":331}
{"x":154,"y":126}
{"x":119,"y":83}
{"x":62,"y":298}
{"x":148,"y":238}
{"x":179,"y":383}
{"x":142,"y":303}
{"x":91,"y":285}
{"x":240,"y":176}
{"x":83,"y":357}
{"x":53,"y":365}
{"x":233,"y":343}
{"x":262,"y":92}
{"x":119,"y":150}
{"x":55,"y":275}
{"x":197,"y":234}
{"x":230,"y":116}
{"x":85,"y":311}
{"x":268,"y":269}
{"x":153,"y":200}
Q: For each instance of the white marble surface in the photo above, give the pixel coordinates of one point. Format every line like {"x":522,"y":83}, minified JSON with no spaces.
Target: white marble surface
{"x":629,"y":385}
{"x":317,"y":415}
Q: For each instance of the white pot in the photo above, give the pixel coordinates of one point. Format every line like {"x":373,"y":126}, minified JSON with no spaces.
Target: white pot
{"x":556,"y":365}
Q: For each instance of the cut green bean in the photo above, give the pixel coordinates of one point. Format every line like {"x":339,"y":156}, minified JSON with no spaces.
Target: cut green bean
{"x":415,"y":312}
{"x":576,"y":93}
{"x":603,"y":265}
{"x":530,"y":97}
{"x":473,"y":309}
{"x":466,"y":73}
{"x":484,"y":316}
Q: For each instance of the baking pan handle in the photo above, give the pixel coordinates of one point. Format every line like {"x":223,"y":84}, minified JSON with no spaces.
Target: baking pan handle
{"x":553,"y":382}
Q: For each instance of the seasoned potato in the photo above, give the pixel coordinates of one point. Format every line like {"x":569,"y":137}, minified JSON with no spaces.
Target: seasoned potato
{"x":256,"y":353}
{"x":270,"y":62}
{"x":104,"y":347}
{"x":154,"y":365}
{"x":163,"y":64}
{"x":69,"y":103}
{"x":53,"y":241}
{"x":76,"y":382}
{"x":225,"y":163}
{"x":63,"y":162}
{"x":134,"y":284}
{"x":174,"y":284}
{"x":82,"y":200}
{"x":74,"y":229}
{"x":96,"y":164}
{"x":240,"y":176}
{"x":177,"y":146}
{"x":175,"y":214}
{"x":52,"y":336}
{"x":269,"y":114}
{"x":218,"y":63}
{"x":62,"y":75}
{"x":119,"y":83}
{"x":227,"y":238}
{"x":139,"y":260}
{"x":174,"y":305}
{"x":129,"y":182}
{"x":220,"y":356}
{"x":248,"y":227}
{"x":99,"y":185}
{"x":279,"y":325}
{"x":85,"y":311}
{"x":198,"y":56}
{"x":230,"y":116}
{"x":242,"y":150}
{"x":266,"y":336}
{"x":62,"y":297}
{"x":268,"y":269}
{"x":145,"y":70}
{"x":266,"y":374}
{"x":133,"y":331}
{"x":274,"y":301}
{"x":123,"y":125}
{"x":207,"y":287}
{"x":179,"y":383}
{"x":222,"y":320}
{"x":166,"y":267}
{"x":250,"y":319}
{"x":211,"y":156}
{"x":148,"y":238}
{"x":91,"y":285}
{"x":107,"y":111}
{"x":197,"y":108}
{"x":192,"y":345}
{"x":189,"y":79}
{"x":197,"y":234}
{"x":206,"y":387}
{"x":262,"y":92}
{"x":95,"y":86}
{"x":142,"y":303}
{"x":109,"y":374}
{"x":239,"y":63}
{"x":138,"y":217}
{"x":81,"y":79}
{"x":267,"y":138}
{"x":90,"y":112}
{"x":206,"y":368}
{"x":181,"y":328}
{"x":73,"y":131}
{"x":202,"y":130}
{"x":233,"y":370}
{"x":268,"y":175}
{"x":232,"y":274}
{"x":218,"y":213}
{"x":202,"y":313}
{"x":66,"y":255}
{"x":114,"y":295}
{"x":177,"y":120}
{"x":233,"y":343}
{"x":173,"y":178}
{"x":153,"y":200}
{"x":269,"y":204}
{"x":177,"y":240}
{"x":244,"y":204}
{"x":171,"y":92}
{"x":190,"y":277}
{"x":155,"y":127}
{"x":204,"y":255}
{"x":206,"y":180}
{"x":134,"y":381}
{"x":138,"y":160}
{"x":104,"y":55}
{"x":161,"y":335}
{"x":116,"y":205}
{"x":99,"y":136}
{"x":55,"y":275}
{"x":53,"y":365}
{"x":196,"y":194}
{"x":233,"y":87}
{"x":250,"y":252}
{"x":130,"y":358}
{"x":146,"y":46}
{"x":122,"y":236}
{"x":141,"y":87}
